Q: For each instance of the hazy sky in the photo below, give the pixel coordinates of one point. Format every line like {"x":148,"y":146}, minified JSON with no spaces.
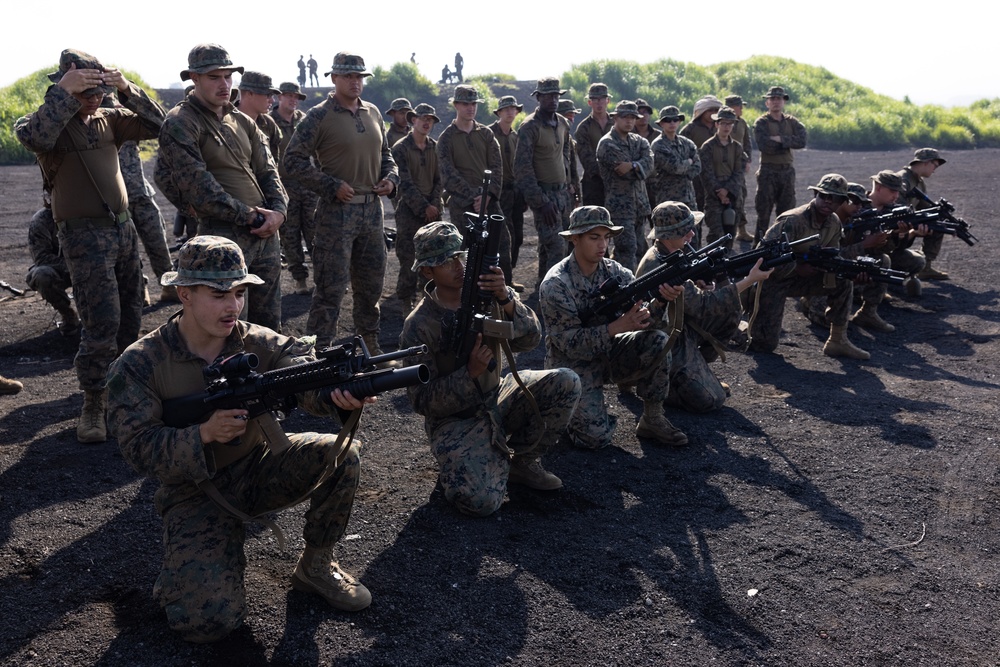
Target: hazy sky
{"x":933,"y":58}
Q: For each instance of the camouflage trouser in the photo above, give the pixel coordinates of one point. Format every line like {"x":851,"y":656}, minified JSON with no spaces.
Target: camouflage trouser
{"x":766,"y":328}
{"x":106,"y":273}
{"x":625,"y":243}
{"x":551,"y":246}
{"x":932,"y":245}
{"x":513,"y":206}
{"x":693,"y":385}
{"x":299,"y":226}
{"x":52,"y":284}
{"x":713,"y":222}
{"x":201,"y":581}
{"x":457,"y":216}
{"x":632,"y":360}
{"x":407,"y":224}
{"x":473,"y":470}
{"x":904,"y":259}
{"x":349,"y":247}
{"x":149,"y":226}
{"x":593,"y":189}
{"x":263,"y":258}
{"x":699,"y":193}
{"x":775,"y":191}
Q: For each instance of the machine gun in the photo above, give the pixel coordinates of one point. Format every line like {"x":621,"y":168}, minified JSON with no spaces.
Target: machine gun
{"x":829,"y":259}
{"x":235,"y":384}
{"x":774,"y":253}
{"x":482,"y":239}
{"x":612,"y":299}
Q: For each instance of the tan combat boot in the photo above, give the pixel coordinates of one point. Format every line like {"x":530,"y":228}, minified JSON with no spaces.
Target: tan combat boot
{"x":654,"y":424}
{"x":930,"y":273}
{"x":91,"y":427}
{"x":529,"y":472}
{"x":913,"y":287}
{"x":69,"y":325}
{"x":868,"y":317}
{"x":317,"y":573}
{"x":169,"y":294}
{"x":742,"y":234}
{"x":301,"y":287}
{"x":9,"y":387}
{"x":837,"y":345}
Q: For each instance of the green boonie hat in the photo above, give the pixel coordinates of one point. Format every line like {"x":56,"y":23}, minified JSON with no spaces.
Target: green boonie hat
{"x":423,"y":109}
{"x":567,"y":106}
{"x":213,"y":261}
{"x":291,"y":88}
{"x":546,"y":86}
{"x":776,"y":91}
{"x":466,"y":94}
{"x":436,"y":243}
{"x":399,"y":104}
{"x":255,"y":82}
{"x":889,"y":179}
{"x":832,"y":184}
{"x":208,"y":58}
{"x":734,"y":101}
{"x":672,"y":219}
{"x":597,"y":90}
{"x":348,"y":63}
{"x":585,"y":218}
{"x":670,"y":113}
{"x":643,"y":104}
{"x":508,"y":101}
{"x":82,"y":60}
{"x":857,"y":193}
{"x":926,"y":155}
{"x":725,"y":113}
{"x":626,"y":108}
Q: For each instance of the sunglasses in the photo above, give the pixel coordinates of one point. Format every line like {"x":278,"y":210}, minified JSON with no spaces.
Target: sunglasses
{"x":836,"y":199}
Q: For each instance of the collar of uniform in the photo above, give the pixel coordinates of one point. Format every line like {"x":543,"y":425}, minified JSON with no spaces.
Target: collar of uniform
{"x":336,"y":105}
{"x":181,"y":352}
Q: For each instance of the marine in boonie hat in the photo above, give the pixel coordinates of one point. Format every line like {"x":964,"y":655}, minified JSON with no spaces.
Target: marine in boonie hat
{"x":585,"y":218}
{"x":857,"y":193}
{"x":436,"y":243}
{"x":291,"y":88}
{"x":706,"y":103}
{"x":423,"y":109}
{"x":82,"y":60}
{"x":348,"y":63}
{"x":399,"y":104}
{"x":926,"y":155}
{"x":673,"y":219}
{"x":467,"y":94}
{"x":597,"y":90}
{"x":508,"y":101}
{"x":670,"y":113}
{"x":889,"y":179}
{"x":831,"y":184}
{"x":208,"y":58}
{"x":567,"y":106}
{"x":256,"y":82}
{"x":626,"y":108}
{"x":776,"y":91}
{"x":725,"y":114}
{"x":547,"y":86}
{"x":734,"y":101}
{"x":643,"y":104}
{"x":213,"y":261}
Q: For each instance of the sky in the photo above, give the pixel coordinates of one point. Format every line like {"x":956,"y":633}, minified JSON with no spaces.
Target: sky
{"x":888,"y":47}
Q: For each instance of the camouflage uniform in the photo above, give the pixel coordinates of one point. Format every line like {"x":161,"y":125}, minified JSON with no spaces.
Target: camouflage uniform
{"x":625,"y":196}
{"x":588,"y":134}
{"x":462,"y":159}
{"x":349,"y":245}
{"x":671,"y":158}
{"x":698,"y":132}
{"x":145,"y":212}
{"x":776,"y":173}
{"x":48,"y":274}
{"x":512,"y":202}
{"x":742,"y":134}
{"x":721,"y":167}
{"x":596,"y":356}
{"x":300,"y":223}
{"x":101,"y":251}
{"x":931,"y":244}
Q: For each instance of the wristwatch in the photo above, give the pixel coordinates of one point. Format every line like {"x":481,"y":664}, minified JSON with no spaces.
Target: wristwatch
{"x":510,"y":297}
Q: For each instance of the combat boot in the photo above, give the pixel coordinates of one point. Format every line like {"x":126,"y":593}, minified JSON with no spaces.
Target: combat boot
{"x":317,"y":573}
{"x":530,"y":473}
{"x":169,"y":294}
{"x":742,"y":234}
{"x":912,"y":286}
{"x":837,"y":345}
{"x":9,"y":387}
{"x":301,"y":287}
{"x":868,"y":317}
{"x":654,"y":424}
{"x":69,"y":325}
{"x":91,"y":427}
{"x":930,"y":273}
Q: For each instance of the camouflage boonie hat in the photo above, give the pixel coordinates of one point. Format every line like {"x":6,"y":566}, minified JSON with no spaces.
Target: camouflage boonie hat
{"x":725,"y":114}
{"x":546,"y":86}
{"x":672,"y":220}
{"x":466,"y":94}
{"x":734,"y":101}
{"x":213,"y":261}
{"x":423,"y":109}
{"x":436,"y":243}
{"x":857,"y":193}
{"x":832,"y":184}
{"x":585,"y":218}
{"x":597,"y":90}
{"x":398,"y":104}
{"x":567,"y":106}
{"x":926,"y":155}
{"x":291,"y":88}
{"x":255,"y":82}
{"x":670,"y":113}
{"x":776,"y":91}
{"x":643,"y":104}
{"x":889,"y":179}
{"x":507,"y":101}
{"x":626,"y":108}
{"x":82,"y":60}
{"x":348,"y":63}
{"x":208,"y":58}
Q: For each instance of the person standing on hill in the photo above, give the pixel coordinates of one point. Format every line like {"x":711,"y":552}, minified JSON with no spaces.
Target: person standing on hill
{"x":313,"y":72}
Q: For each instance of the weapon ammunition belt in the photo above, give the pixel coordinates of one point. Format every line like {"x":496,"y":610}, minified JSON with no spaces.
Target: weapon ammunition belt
{"x":80,"y":223}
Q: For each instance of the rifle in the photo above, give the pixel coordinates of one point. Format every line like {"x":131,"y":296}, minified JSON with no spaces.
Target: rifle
{"x":612,"y":299}
{"x":235,"y":384}
{"x":941,"y":213}
{"x":482,"y":239}
{"x":774,"y":253}
{"x":829,"y":259}
{"x":10,"y":288}
{"x":937,"y":218}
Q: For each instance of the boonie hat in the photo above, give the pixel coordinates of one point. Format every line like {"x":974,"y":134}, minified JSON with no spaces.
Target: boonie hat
{"x":508,"y":101}
{"x":547,"y":85}
{"x":673,"y":219}
{"x":208,"y":58}
{"x":291,"y":88}
{"x":423,"y":109}
{"x":734,"y":101}
{"x":567,"y":106}
{"x":82,"y":60}
{"x":726,"y":114}
{"x":626,"y":108}
{"x":213,"y":261}
{"x":585,"y":218}
{"x":466,"y":94}
{"x":832,"y":184}
{"x":597,"y":90}
{"x":776,"y":91}
{"x":348,"y":63}
{"x":436,"y":243}
{"x":857,"y":193}
{"x":399,"y":104}
{"x":255,"y":82}
{"x":926,"y":155}
{"x":670,"y":113}
{"x":706,"y":103}
{"x":889,"y":179}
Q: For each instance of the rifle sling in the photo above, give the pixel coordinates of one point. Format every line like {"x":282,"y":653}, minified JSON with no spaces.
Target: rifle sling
{"x":509,"y":354}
